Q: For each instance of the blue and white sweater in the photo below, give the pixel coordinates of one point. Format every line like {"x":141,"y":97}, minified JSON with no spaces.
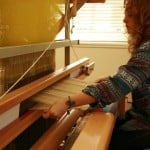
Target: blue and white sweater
{"x":133,"y":77}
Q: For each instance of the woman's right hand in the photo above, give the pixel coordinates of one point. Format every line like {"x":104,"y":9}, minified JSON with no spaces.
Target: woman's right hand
{"x":61,"y":106}
{"x":56,"y":110}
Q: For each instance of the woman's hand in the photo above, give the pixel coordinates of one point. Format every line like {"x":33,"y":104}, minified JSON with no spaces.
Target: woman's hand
{"x":56,"y":110}
{"x":61,"y":106}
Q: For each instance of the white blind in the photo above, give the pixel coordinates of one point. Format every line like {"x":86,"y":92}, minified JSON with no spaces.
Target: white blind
{"x":100,"y":22}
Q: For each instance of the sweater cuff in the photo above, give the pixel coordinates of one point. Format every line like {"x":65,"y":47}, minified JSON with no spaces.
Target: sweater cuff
{"x":93,"y":91}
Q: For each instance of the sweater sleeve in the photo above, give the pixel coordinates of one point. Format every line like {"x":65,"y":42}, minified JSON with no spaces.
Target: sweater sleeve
{"x":128,"y":78}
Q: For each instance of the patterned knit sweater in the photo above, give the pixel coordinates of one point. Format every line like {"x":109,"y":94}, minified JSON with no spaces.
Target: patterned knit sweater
{"x":133,"y":77}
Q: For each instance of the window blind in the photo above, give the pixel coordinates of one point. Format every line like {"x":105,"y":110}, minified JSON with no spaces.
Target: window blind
{"x":99,"y":22}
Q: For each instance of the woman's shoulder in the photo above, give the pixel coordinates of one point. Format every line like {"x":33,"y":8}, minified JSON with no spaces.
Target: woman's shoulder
{"x":143,"y":51}
{"x":145,"y":47}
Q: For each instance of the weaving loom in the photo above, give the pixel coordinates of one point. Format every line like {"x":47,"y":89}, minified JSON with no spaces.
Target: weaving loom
{"x":43,"y":85}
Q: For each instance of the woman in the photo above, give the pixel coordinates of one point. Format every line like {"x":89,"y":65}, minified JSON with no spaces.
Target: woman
{"x":132,"y":130}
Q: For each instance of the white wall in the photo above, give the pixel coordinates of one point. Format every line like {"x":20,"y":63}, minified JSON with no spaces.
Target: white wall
{"x":107,"y":57}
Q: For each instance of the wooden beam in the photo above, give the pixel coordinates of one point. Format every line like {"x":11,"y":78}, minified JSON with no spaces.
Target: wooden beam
{"x":10,"y":51}
{"x":11,"y":131}
{"x":96,"y":133}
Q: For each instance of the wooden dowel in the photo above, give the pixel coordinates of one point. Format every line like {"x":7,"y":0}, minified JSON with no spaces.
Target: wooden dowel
{"x":10,"y":132}
{"x":54,"y":136}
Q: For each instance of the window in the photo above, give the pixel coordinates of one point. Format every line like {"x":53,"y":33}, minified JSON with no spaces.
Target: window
{"x":99,"y":22}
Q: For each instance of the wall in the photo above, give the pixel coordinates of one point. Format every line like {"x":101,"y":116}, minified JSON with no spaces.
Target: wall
{"x":107,"y":57}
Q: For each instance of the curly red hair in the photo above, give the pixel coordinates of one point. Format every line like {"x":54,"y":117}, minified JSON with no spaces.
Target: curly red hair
{"x":140,"y":10}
